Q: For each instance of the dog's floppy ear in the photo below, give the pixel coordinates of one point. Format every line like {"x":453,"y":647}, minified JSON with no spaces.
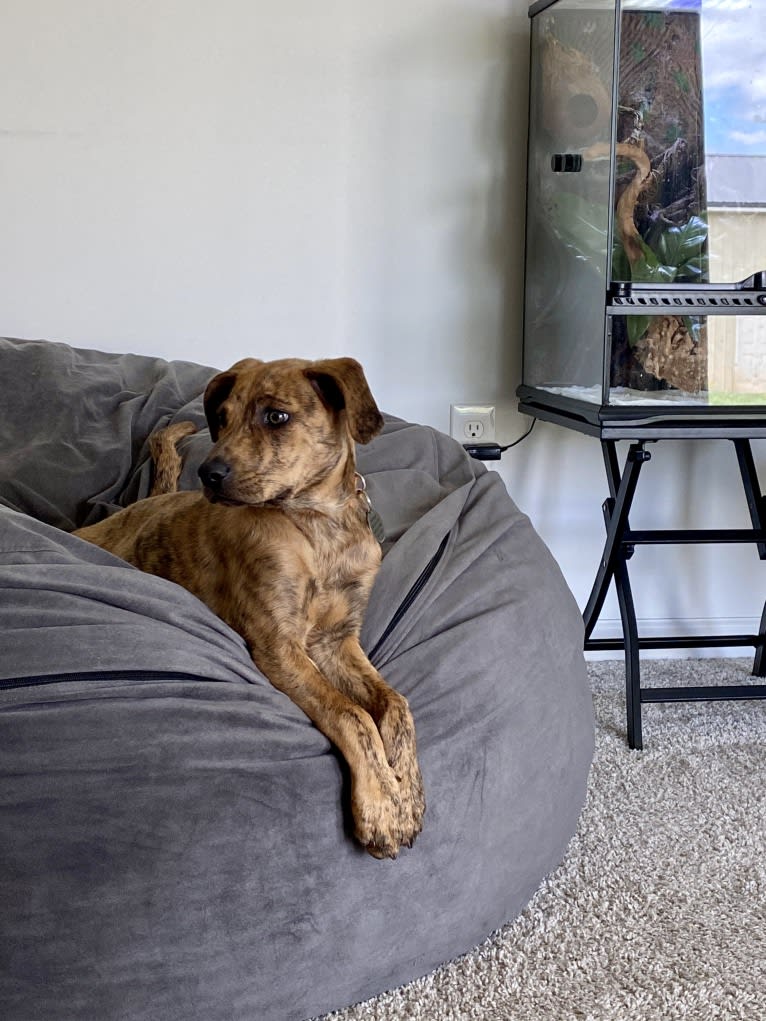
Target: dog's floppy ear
{"x":219,"y":388}
{"x":341,"y":385}
{"x":216,"y":392}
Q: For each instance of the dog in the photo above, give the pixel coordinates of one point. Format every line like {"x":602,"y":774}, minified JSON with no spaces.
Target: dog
{"x":279,"y":545}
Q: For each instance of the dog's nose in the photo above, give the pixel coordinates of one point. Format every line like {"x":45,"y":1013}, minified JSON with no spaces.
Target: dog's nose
{"x":213,"y":473}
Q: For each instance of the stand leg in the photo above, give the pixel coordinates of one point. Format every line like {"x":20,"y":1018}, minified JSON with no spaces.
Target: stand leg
{"x":759,"y":663}
{"x":614,"y":565}
{"x":755,"y":504}
{"x":622,"y":490}
{"x":630,"y":640}
{"x":632,"y":660}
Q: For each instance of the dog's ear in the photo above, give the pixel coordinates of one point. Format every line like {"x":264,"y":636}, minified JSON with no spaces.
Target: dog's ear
{"x":216,"y":392}
{"x":341,"y":385}
{"x":219,"y":388}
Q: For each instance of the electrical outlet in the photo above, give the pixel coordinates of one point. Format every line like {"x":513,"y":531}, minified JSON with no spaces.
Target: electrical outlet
{"x":472,"y":423}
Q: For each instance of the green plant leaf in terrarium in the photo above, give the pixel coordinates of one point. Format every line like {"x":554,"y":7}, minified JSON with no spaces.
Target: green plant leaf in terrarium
{"x":647,"y":269}
{"x":620,"y":261}
{"x":683,"y":248}
{"x":637,"y":327}
{"x":674,"y":252}
{"x":650,"y":270}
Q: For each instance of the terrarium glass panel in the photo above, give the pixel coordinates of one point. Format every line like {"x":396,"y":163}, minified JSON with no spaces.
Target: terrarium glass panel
{"x":568,"y":199}
{"x":691,"y":141}
{"x":690,"y":168}
{"x":647,"y":170}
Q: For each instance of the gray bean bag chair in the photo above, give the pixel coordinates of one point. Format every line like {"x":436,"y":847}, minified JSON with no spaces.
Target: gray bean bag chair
{"x":173,"y":838}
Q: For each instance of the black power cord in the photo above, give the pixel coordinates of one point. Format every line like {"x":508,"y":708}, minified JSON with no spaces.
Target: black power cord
{"x":493,"y":451}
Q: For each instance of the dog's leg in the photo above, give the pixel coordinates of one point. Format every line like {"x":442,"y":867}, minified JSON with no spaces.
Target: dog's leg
{"x":345,"y":664}
{"x":376,"y":801}
{"x":167,"y":461}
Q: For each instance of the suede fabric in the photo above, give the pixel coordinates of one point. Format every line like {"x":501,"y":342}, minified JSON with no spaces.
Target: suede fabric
{"x":174,"y":835}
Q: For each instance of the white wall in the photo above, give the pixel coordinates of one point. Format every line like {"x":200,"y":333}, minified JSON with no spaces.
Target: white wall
{"x":208,"y":180}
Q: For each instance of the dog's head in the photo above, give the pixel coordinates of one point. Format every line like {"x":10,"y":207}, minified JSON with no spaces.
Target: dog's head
{"x":283,"y":428}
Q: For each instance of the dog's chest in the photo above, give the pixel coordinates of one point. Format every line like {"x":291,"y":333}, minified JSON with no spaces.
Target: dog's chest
{"x":346,"y":566}
{"x":342,"y":570}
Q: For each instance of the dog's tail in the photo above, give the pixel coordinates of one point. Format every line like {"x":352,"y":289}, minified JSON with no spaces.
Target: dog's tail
{"x":167,"y":460}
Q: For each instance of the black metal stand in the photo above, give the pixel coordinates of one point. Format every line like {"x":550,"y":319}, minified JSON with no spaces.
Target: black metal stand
{"x":619,"y":547}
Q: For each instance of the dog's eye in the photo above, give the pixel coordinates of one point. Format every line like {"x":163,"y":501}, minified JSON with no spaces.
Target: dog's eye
{"x":273,"y":417}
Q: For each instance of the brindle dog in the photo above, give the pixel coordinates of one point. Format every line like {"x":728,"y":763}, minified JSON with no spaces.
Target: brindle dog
{"x":279,"y":545}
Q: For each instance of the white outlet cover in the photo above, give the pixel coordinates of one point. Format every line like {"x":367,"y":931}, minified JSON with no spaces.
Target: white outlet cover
{"x":472,"y":422}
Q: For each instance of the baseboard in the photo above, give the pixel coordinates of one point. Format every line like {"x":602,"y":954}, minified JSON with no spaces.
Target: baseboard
{"x":658,"y":627}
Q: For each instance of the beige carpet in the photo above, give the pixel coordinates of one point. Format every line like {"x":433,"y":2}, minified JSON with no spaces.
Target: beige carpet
{"x":658,"y":911}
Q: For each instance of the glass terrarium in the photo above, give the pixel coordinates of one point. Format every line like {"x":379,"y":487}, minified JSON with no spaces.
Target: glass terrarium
{"x":645,"y":291}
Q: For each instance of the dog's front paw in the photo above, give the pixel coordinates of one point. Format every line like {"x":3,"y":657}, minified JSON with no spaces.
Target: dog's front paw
{"x":413,"y":800}
{"x":380,"y":817}
{"x":397,"y":731}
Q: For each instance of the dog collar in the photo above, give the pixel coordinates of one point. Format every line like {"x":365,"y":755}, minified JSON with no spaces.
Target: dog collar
{"x":374,"y":519}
